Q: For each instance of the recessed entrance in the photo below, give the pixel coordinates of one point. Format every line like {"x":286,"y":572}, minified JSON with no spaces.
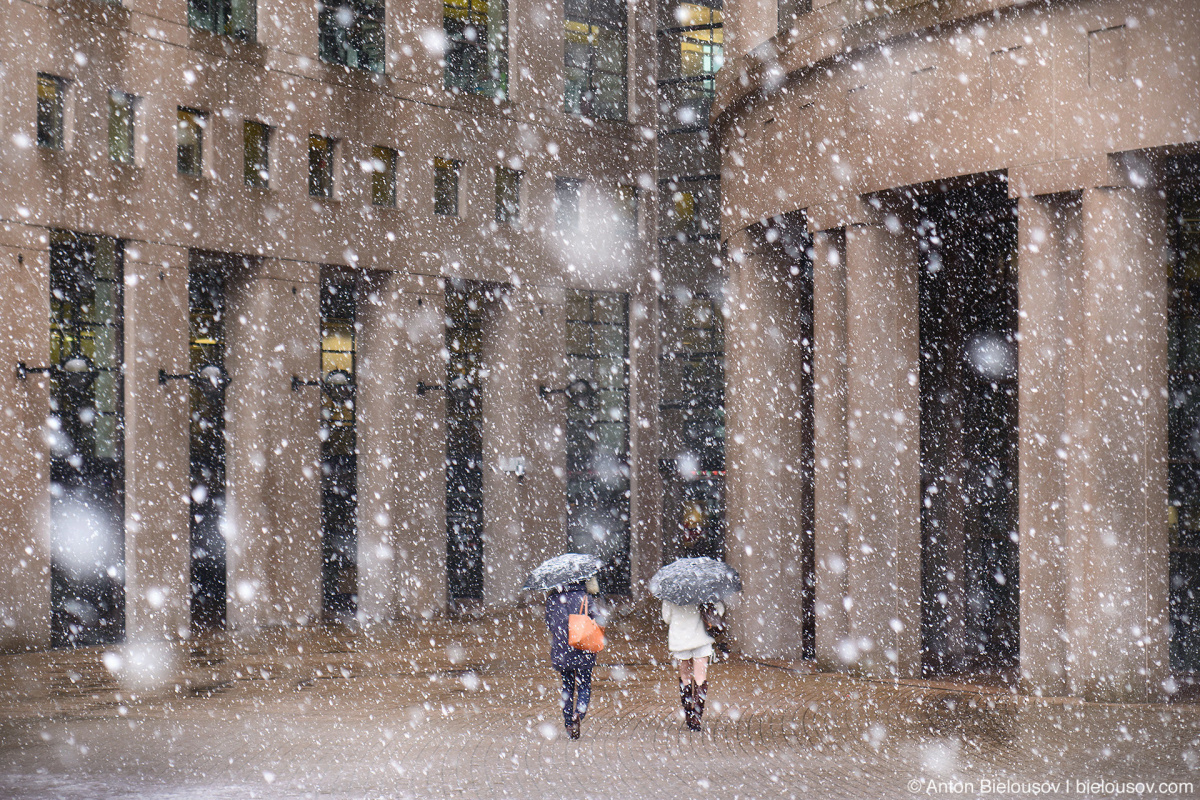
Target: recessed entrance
{"x":968,"y":378}
{"x":339,"y":459}
{"x":469,"y":305}
{"x":86,"y":421}
{"x":207,"y":276}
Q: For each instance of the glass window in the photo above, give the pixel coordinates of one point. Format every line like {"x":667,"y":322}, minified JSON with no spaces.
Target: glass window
{"x":626,"y":211}
{"x":690,"y":207}
{"x":238,"y":18}
{"x":567,"y":192}
{"x":339,"y":443}
{"x":189,"y":141}
{"x":256,"y":156}
{"x":320,"y":166}
{"x":691,"y":51}
{"x":595,"y":59}
{"x":51,"y":95}
{"x":383,"y":176}
{"x":445,"y":186}
{"x":508,"y":196}
{"x":477,"y":46}
{"x":121,"y":108}
{"x":597,"y":432}
{"x":351,"y":33}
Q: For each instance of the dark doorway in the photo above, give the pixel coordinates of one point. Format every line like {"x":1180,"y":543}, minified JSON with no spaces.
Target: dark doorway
{"x":1183,"y":511}
{"x":692,"y":376}
{"x":87,"y":468}
{"x":339,"y":445}
{"x":468,"y":306}
{"x":968,"y":378}
{"x":598,"y":432}
{"x":207,"y":275}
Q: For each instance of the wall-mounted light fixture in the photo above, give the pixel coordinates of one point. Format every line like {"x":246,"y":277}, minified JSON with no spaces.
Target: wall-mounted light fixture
{"x":580,"y":392}
{"x":75,"y":370}
{"x":337,"y":384}
{"x":423,"y":387}
{"x":210,"y":378}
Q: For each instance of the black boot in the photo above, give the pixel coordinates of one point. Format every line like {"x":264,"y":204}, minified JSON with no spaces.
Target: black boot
{"x":573,"y":729}
{"x":685,"y":697}
{"x":699,"y":695}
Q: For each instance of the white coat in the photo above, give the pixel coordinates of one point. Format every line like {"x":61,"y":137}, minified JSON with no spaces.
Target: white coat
{"x":685,"y":628}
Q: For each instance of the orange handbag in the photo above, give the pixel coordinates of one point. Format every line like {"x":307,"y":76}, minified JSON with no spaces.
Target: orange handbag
{"x":582,"y":631}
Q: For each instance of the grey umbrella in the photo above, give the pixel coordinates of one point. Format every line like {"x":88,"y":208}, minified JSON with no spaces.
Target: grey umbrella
{"x":691,"y":581}
{"x":562,"y":571}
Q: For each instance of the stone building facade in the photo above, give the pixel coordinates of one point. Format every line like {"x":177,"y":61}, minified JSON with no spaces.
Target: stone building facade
{"x":961,"y":245}
{"x":294,"y":260}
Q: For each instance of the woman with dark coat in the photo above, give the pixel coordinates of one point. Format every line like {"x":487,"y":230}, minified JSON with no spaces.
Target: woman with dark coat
{"x":575,"y":666}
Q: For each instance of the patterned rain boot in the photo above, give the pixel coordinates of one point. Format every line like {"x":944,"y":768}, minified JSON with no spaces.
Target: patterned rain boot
{"x":685,"y":697}
{"x":699,"y":695}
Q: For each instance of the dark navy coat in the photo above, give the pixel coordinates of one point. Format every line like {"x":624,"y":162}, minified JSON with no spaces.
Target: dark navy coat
{"x":559,"y":606}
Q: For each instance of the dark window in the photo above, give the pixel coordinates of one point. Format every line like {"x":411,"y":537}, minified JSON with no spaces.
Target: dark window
{"x":121,"y":109}
{"x":595,"y":58}
{"x":256,"y":154}
{"x":566,"y":203}
{"x":625,"y":214}
{"x":189,"y":141}
{"x":320,"y":166}
{"x":351,"y":33}
{"x":237,"y":18}
{"x":477,"y":46}
{"x":51,"y":102}
{"x":789,"y":11}
{"x":445,"y":186}
{"x":597,"y":432}
{"x":383,"y":176}
{"x":508,"y":196}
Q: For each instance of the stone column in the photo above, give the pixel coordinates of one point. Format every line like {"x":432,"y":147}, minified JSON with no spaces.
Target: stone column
{"x":765,"y":480}
{"x":273,"y":457}
{"x":1094,"y":548}
{"x":157,"y":480}
{"x":24,"y":456}
{"x":883,"y":579}
{"x":832,"y":516}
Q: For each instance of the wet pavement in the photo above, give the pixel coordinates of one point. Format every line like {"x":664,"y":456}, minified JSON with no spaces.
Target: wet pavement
{"x":467,"y":709}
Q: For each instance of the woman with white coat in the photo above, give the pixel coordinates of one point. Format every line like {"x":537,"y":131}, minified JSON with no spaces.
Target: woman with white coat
{"x":691,"y":647}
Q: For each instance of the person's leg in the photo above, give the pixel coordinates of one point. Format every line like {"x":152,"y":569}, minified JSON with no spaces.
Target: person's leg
{"x":700,"y":693}
{"x":685,"y":687}
{"x":568,"y":696}
{"x":583,"y":692}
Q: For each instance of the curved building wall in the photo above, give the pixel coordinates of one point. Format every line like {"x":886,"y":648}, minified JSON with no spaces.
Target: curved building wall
{"x":874,"y":128}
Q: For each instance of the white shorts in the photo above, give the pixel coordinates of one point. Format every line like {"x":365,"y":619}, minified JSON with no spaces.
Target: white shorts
{"x":700,"y":652}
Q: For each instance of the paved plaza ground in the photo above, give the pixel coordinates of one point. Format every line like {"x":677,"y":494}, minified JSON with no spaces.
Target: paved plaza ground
{"x":467,"y":709}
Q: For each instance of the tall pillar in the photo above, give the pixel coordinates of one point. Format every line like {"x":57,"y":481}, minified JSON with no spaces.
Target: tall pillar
{"x":157,"y":480}
{"x":831,"y":501}
{"x":24,"y":455}
{"x":765,"y":481}
{"x":1094,"y":544}
{"x":273,"y":459}
{"x":1049,"y":276}
{"x":883,"y":579}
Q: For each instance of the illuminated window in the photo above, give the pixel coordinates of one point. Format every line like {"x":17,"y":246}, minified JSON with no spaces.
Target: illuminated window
{"x":693,"y":48}
{"x":351,"y":33}
{"x":256,"y":154}
{"x":121,"y":109}
{"x":595,"y":59}
{"x":189,"y":141}
{"x":383,"y":176}
{"x":477,"y":46}
{"x":445,"y":186}
{"x":320,"y":166}
{"x":51,"y":126}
